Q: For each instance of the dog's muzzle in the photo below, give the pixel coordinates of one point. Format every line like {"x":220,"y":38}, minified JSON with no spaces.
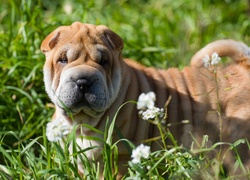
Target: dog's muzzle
{"x":82,"y":93}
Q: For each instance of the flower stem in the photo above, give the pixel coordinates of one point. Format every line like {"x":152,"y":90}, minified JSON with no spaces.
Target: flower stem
{"x":218,"y":103}
{"x":162,"y":134}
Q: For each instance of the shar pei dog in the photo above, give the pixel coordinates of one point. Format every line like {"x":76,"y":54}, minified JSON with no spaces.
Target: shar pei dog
{"x":86,"y":75}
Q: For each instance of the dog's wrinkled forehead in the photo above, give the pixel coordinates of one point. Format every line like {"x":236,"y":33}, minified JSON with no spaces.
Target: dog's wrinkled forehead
{"x":85,"y":33}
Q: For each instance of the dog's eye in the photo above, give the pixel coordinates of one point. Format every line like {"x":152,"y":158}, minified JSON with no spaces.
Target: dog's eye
{"x":63,"y":60}
{"x":104,"y":60}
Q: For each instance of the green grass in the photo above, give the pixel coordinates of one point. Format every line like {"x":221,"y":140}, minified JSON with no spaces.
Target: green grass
{"x":160,"y":33}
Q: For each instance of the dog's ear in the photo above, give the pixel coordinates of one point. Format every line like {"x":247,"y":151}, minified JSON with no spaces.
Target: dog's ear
{"x":114,"y":40}
{"x":50,"y":41}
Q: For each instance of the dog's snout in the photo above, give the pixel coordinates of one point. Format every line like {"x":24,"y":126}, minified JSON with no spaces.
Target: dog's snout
{"x":82,"y":84}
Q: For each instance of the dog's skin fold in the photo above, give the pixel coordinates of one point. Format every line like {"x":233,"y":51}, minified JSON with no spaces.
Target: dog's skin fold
{"x":85,"y":71}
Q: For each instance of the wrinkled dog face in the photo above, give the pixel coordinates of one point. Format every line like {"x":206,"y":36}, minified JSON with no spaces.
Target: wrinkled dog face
{"x":79,"y":72}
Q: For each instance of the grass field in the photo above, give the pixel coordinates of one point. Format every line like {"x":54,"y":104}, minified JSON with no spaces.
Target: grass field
{"x":161,"y":33}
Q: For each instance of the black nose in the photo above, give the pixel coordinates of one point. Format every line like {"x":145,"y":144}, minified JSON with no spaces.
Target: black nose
{"x":83,"y":84}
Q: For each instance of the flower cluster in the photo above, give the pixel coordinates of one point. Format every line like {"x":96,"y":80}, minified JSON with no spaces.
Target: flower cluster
{"x":207,"y":61}
{"x":146,"y":105}
{"x":57,"y":129}
{"x":141,"y":151}
{"x":150,"y":114}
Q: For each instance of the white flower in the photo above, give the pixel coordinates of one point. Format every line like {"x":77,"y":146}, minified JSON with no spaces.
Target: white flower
{"x":215,"y":59}
{"x":152,"y":113}
{"x":146,"y":101}
{"x":148,"y":114}
{"x":57,"y":129}
{"x":140,"y":152}
{"x":207,"y":61}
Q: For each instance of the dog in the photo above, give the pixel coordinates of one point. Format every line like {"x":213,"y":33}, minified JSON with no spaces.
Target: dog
{"x":86,"y":75}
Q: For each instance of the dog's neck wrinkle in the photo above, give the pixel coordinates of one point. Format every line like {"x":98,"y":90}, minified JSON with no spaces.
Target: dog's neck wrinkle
{"x":131,"y":124}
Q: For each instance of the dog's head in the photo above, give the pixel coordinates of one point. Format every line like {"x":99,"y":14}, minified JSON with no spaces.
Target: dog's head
{"x":82,"y":72}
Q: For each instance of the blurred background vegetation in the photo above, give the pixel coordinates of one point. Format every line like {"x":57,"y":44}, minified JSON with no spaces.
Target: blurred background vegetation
{"x":160,"y":33}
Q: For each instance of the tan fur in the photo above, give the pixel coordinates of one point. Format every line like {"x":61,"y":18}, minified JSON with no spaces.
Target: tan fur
{"x":193,"y":90}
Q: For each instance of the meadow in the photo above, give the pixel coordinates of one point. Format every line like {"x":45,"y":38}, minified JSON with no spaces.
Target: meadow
{"x":162,"y":33}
